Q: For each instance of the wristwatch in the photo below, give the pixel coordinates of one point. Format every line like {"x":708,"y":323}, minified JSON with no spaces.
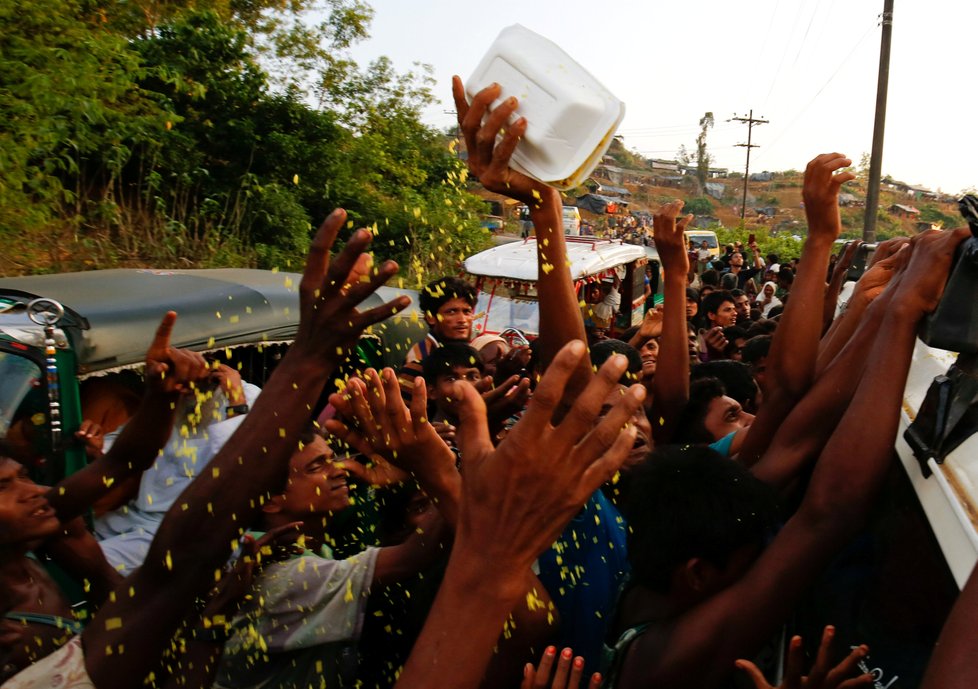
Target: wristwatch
{"x":236,"y":410}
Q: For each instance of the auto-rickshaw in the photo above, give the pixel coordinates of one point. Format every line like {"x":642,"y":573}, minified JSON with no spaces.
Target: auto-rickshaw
{"x":505,"y":277}
{"x":58,"y":330}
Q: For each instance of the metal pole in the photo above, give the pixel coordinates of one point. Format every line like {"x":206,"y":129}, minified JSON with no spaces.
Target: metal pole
{"x":876,"y":158}
{"x":743,"y":204}
{"x":750,"y":128}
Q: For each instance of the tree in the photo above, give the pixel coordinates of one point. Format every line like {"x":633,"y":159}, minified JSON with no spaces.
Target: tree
{"x":702,"y":157}
{"x":699,"y":205}
{"x":683,"y":156}
{"x":151,"y":133}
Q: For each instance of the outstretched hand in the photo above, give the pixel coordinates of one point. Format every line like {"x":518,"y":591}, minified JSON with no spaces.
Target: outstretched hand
{"x":844,"y":263}
{"x":566,"y":674}
{"x":670,"y":238}
{"x":505,"y":399}
{"x":275,"y":545}
{"x":820,"y":191}
{"x":927,"y":270}
{"x":887,"y":248}
{"x":652,"y":323}
{"x":376,"y":422}
{"x":170,"y":370}
{"x":488,"y":158}
{"x":822,"y":675}
{"x":518,"y":496}
{"x":331,"y":289}
{"x":874,"y":281}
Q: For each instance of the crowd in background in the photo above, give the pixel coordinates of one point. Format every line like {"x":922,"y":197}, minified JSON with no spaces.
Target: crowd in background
{"x":635,"y":508}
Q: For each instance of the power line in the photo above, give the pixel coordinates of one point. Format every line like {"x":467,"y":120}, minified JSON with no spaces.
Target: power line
{"x":791,"y":33}
{"x":824,"y":86}
{"x":804,"y":38}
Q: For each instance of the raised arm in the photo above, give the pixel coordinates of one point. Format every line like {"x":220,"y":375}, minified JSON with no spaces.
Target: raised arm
{"x":952,"y":665}
{"x":734,"y":624}
{"x":374,"y":420}
{"x":513,"y":509}
{"x":127,"y":636}
{"x":839,"y":273}
{"x":869,"y":286}
{"x":803,"y":434}
{"x":170,"y":374}
{"x":670,"y":387}
{"x":560,"y":315}
{"x":794,"y":350}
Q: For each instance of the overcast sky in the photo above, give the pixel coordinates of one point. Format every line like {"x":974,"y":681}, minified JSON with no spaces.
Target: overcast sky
{"x":808,"y":66}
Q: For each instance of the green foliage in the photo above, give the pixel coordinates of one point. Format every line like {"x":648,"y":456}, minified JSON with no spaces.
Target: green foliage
{"x":887,"y":226}
{"x":151,"y":135}
{"x":699,"y":205}
{"x":67,"y":96}
{"x":782,"y":244}
{"x":930,"y":212}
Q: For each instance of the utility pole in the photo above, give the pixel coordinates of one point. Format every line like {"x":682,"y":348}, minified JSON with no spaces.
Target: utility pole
{"x":876,"y":158}
{"x":750,"y":126}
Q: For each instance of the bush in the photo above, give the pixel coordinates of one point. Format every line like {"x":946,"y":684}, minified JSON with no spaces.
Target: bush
{"x":699,"y":205}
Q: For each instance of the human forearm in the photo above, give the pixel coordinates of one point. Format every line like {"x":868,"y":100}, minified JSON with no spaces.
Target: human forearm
{"x":444,"y":487}
{"x":799,"y":439}
{"x":136,"y":449}
{"x":794,"y":350}
{"x":464,"y":623}
{"x":670,"y":387}
{"x":952,"y":665}
{"x":418,"y":552}
{"x":853,"y":463}
{"x":840,"y":331}
{"x":560,"y":314}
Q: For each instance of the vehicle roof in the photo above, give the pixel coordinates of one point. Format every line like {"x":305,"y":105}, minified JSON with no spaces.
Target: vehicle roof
{"x":120,"y":309}
{"x":518,"y":260}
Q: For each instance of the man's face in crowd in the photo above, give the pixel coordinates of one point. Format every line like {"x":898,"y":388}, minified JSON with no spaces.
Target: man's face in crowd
{"x":453,"y":321}
{"x":650,"y":357}
{"x":25,"y":514}
{"x":317,"y":485}
{"x":693,"y":343}
{"x":724,"y":316}
{"x":737,"y":260}
{"x":725,"y":416}
{"x":643,"y":438}
{"x":442,"y":391}
{"x":742,"y":305}
{"x":692,"y":308}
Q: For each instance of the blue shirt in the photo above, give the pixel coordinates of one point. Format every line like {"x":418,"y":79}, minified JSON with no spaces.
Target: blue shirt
{"x":582,"y":572}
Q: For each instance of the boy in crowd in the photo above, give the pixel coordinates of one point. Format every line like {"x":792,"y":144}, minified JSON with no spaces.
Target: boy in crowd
{"x":697,"y":607}
{"x":448,"y":305}
{"x":301,"y":623}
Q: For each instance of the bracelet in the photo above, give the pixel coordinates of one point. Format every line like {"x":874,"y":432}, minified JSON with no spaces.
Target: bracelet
{"x":236,"y":410}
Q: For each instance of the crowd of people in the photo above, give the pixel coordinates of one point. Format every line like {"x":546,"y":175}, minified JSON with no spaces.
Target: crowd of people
{"x":623,"y":509}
